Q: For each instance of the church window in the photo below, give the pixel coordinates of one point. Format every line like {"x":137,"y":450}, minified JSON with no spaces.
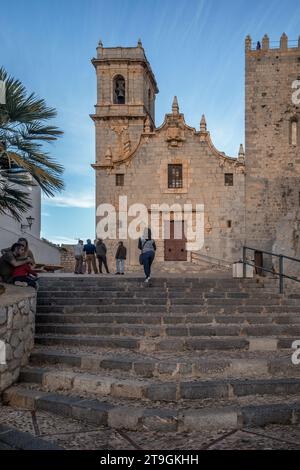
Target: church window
{"x":228,"y":179}
{"x":149,"y":99}
{"x":229,"y":224}
{"x":119,"y":90}
{"x":174,"y":176}
{"x":120,"y":179}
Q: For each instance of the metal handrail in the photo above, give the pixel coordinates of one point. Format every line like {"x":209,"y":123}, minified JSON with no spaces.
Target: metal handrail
{"x":210,"y":259}
{"x":281,"y":273}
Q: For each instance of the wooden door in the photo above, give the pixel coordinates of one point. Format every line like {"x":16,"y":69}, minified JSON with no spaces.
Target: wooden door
{"x":175,"y":248}
{"x":259,"y":262}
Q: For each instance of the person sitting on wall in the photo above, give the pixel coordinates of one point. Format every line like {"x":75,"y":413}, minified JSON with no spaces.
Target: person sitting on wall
{"x":27,"y":252}
{"x":24,"y":275}
{"x":11,"y":260}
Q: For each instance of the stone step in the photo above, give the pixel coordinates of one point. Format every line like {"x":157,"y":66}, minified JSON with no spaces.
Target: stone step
{"x":157,"y":285}
{"x":13,"y":439}
{"x":169,"y":344}
{"x":154,"y":292}
{"x":155,"y":319}
{"x":180,"y":330}
{"x":155,"y":389}
{"x":102,"y":309}
{"x":237,"y":300}
{"x":102,"y":301}
{"x":131,"y":415}
{"x":177,"y":309}
{"x":134,"y":365}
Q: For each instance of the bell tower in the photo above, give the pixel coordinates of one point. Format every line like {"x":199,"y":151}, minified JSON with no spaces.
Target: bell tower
{"x":126,"y":89}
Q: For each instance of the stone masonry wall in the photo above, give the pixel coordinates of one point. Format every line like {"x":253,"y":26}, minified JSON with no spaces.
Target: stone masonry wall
{"x":67,"y":258}
{"x":128,"y":143}
{"x":272,"y":159}
{"x":204,"y":169}
{"x":17,"y":320}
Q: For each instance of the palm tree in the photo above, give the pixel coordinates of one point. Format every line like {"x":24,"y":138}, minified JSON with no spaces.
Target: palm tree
{"x":24,"y":129}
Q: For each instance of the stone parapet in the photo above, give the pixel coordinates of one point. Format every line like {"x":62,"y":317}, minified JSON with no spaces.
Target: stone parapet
{"x":17,"y":324}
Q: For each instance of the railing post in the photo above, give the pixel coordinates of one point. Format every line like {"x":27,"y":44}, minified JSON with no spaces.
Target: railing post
{"x":244,"y":261}
{"x":281,"y":273}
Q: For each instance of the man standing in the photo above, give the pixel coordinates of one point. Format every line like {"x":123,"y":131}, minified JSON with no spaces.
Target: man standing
{"x":89,"y":249}
{"x":101,"y":255}
{"x":78,"y":253}
{"x":120,"y":258}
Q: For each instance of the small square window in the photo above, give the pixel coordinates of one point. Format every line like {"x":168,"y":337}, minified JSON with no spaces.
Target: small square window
{"x":228,"y":179}
{"x":120,"y":180}
{"x":174,"y":176}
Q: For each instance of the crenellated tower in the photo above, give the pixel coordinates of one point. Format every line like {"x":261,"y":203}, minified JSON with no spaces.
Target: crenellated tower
{"x":272,"y":144}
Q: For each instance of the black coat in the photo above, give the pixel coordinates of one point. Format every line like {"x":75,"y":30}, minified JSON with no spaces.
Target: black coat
{"x":101,"y":249}
{"x":121,"y":252}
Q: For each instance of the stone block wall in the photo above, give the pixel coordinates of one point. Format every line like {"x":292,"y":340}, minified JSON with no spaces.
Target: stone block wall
{"x":67,"y":258}
{"x":17,"y":321}
{"x":272,"y":158}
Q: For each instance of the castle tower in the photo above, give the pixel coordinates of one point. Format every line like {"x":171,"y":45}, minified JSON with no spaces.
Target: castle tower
{"x":272,"y":145}
{"x":126,"y":89}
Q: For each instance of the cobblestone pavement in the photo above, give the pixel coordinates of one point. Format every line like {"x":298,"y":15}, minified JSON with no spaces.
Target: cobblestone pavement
{"x":71,"y":434}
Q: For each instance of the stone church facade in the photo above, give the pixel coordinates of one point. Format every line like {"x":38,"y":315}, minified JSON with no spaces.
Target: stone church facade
{"x":178,"y":164}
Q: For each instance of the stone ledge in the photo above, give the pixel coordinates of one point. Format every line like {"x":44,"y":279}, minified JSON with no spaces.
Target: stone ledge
{"x":17,"y":323}
{"x":15,"y":294}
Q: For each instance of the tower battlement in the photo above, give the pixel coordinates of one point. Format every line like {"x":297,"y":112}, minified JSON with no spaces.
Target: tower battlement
{"x":284,"y":45}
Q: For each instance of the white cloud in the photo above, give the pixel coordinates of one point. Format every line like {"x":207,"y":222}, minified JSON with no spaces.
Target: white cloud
{"x":80,"y":200}
{"x":58,"y":240}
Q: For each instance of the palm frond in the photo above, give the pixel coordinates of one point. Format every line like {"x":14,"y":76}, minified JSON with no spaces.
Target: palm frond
{"x":24,"y":131}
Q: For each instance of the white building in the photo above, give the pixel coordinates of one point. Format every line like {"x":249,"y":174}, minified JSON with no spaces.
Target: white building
{"x":11,"y":230}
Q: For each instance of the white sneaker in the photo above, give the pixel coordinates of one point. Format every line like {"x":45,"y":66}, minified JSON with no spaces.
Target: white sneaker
{"x":21,"y":284}
{"x":147,"y":279}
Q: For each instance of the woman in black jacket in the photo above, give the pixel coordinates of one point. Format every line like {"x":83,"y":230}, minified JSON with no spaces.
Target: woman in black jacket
{"x":120,"y":258}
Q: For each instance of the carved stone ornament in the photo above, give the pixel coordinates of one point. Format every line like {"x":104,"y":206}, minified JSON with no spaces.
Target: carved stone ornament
{"x":175,"y":131}
{"x":123,"y":147}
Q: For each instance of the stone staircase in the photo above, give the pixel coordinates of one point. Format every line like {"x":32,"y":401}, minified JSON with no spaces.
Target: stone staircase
{"x":177,"y":354}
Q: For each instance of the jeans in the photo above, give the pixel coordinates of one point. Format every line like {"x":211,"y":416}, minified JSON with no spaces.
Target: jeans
{"x":148,"y":258}
{"x":30,"y":282}
{"x":78,"y":264}
{"x":102,"y":259}
{"x":91,"y":261}
{"x":120,"y":265}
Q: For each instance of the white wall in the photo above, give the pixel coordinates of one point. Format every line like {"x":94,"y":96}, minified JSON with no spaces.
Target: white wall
{"x":42,"y":251}
{"x":10,"y":231}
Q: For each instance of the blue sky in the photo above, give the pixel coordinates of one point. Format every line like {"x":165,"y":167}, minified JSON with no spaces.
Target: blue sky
{"x":196,"y":50}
